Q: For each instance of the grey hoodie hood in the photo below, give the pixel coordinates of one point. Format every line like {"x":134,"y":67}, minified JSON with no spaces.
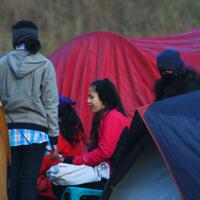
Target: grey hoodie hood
{"x":22,"y":63}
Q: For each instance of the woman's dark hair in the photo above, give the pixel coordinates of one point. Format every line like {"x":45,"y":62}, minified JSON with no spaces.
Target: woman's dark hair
{"x":32,"y":45}
{"x":108,"y":95}
{"x":70,"y":124}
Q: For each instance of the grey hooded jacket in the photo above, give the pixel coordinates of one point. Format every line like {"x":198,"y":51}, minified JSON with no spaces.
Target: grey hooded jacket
{"x":28,"y":91}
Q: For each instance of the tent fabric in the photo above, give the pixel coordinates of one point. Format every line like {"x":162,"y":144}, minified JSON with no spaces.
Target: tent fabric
{"x":129,"y":62}
{"x":172,"y":127}
{"x":141,"y":172}
{"x":5,"y":159}
{"x":103,"y":55}
{"x":175,"y":125}
{"x":186,"y":43}
{"x":148,"y":178}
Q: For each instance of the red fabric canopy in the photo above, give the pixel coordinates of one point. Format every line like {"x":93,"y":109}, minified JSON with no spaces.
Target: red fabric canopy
{"x":130,"y":63}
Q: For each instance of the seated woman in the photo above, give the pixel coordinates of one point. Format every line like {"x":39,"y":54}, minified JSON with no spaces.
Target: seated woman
{"x":108,"y":123}
{"x":71,"y":142}
{"x":71,"y":139}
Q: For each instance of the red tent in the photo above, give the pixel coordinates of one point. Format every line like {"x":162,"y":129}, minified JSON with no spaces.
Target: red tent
{"x":128,"y":62}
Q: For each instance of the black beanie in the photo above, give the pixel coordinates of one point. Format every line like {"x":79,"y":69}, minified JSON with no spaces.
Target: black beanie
{"x":24,"y":29}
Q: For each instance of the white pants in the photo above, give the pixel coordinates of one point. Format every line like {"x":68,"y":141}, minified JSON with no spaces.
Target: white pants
{"x":69,"y":174}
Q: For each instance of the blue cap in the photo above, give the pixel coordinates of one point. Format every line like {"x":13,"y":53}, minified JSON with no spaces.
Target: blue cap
{"x":170,"y":60}
{"x":66,"y":100}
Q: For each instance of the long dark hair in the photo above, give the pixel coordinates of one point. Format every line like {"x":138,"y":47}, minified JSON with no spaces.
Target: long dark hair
{"x":70,"y":124}
{"x":108,"y":95}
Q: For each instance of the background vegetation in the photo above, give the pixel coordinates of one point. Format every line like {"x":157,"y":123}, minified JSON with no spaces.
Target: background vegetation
{"x":61,"y":20}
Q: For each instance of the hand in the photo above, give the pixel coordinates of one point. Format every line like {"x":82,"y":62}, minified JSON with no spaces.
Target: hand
{"x":55,"y":148}
{"x":56,"y":156}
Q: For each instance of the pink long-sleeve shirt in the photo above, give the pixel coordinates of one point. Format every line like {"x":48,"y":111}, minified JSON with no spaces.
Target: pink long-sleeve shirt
{"x":110,"y":129}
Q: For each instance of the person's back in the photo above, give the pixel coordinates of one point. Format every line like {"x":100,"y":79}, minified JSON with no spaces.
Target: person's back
{"x":28,"y":92}
{"x":23,"y":76}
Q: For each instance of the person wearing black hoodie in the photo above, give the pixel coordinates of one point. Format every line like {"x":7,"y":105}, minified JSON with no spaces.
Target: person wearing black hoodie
{"x":175,"y":78}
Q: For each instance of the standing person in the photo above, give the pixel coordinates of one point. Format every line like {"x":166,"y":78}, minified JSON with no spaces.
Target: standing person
{"x":108,"y":123}
{"x":71,"y":142}
{"x":175,"y":77}
{"x":29,"y":95}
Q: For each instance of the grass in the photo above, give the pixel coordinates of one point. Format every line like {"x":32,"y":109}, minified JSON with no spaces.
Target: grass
{"x":61,"y":20}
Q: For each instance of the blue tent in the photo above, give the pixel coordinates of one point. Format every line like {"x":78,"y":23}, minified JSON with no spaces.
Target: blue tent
{"x":161,"y":159}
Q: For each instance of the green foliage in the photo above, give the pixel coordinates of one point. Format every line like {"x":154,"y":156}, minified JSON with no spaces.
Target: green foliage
{"x":61,"y":20}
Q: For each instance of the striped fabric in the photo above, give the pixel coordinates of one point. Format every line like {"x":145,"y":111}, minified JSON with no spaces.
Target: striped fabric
{"x":26,"y":137}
